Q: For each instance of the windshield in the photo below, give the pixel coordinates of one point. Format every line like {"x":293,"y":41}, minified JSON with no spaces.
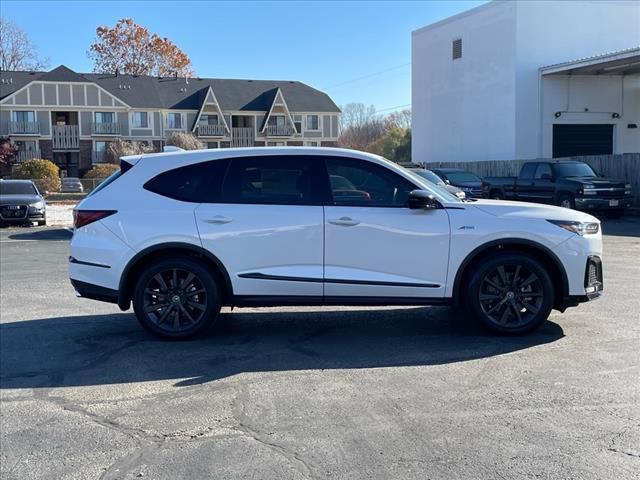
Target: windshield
{"x":17,"y":188}
{"x":429,"y":175}
{"x":462,"y":177}
{"x":439,"y":192}
{"x":574,"y":170}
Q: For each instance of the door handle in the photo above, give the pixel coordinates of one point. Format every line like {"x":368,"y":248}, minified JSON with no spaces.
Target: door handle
{"x":218,"y":220}
{"x":344,"y":221}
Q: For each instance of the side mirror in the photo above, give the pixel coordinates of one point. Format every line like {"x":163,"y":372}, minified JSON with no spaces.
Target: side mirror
{"x":422,"y":199}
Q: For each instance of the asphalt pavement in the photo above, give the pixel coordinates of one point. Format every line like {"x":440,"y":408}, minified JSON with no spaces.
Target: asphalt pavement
{"x":313,"y":393}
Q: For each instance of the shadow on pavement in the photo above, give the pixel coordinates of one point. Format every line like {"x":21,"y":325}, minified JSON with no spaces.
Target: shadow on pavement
{"x":624,"y":227}
{"x":109,"y":349}
{"x":43,"y":234}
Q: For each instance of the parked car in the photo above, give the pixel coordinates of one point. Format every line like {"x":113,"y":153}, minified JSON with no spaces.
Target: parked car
{"x":471,"y":184}
{"x":71,"y":185}
{"x":433,"y":178}
{"x":20,"y":202}
{"x":180,"y":234}
{"x":565,"y":183}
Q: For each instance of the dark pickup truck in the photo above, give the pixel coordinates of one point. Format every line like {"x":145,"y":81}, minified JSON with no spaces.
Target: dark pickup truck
{"x":566,"y":183}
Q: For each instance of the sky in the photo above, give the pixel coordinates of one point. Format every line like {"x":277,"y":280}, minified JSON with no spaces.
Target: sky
{"x":355,"y":51}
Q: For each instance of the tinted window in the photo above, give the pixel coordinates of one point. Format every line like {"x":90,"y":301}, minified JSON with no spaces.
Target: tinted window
{"x":528,"y":170}
{"x":462,"y":177}
{"x":283,"y":180}
{"x":368,"y":184}
{"x":574,"y":170}
{"x":199,"y":183}
{"x":543,"y":169}
{"x":17,"y":188}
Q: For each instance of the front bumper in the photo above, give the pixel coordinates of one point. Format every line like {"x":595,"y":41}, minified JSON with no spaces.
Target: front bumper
{"x":593,"y":284}
{"x":596,"y":203}
{"x":21,"y":214}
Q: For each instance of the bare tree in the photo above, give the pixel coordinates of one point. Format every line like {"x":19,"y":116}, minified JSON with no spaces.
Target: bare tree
{"x":360,"y":126}
{"x":186,"y":141}
{"x":399,"y":119}
{"x":16,"y":50}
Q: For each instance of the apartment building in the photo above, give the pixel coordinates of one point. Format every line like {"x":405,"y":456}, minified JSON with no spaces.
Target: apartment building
{"x":71,"y":117}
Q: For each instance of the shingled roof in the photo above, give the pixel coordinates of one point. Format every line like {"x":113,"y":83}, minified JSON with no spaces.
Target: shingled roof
{"x":142,"y":91}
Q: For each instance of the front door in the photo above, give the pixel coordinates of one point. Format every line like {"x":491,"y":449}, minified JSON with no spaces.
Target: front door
{"x":543,"y":190}
{"x":268,"y":228}
{"x":375,"y":246}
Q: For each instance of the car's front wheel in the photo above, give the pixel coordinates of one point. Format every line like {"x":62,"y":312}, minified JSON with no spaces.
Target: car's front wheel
{"x":176,"y":298}
{"x":510,"y":293}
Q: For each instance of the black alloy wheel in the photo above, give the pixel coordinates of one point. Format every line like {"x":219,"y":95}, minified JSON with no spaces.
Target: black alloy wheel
{"x":176,"y":298}
{"x":511,"y":293}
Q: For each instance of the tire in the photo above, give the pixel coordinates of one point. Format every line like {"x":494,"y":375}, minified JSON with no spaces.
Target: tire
{"x":567,"y":201}
{"x":497,"y":195}
{"x":510,"y":293}
{"x":614,"y":214}
{"x":182,"y":312}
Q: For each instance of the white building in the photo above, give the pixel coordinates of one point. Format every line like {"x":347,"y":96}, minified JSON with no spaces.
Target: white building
{"x":500,"y":81}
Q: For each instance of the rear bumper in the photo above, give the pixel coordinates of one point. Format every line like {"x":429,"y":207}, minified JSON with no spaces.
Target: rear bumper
{"x":94,"y":292}
{"x":589,"y":203}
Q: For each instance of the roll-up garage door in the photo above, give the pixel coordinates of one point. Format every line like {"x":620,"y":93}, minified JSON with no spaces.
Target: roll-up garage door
{"x":576,"y":140}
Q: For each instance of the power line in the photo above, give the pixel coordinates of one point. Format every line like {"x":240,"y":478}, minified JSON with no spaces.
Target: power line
{"x":392,"y":108}
{"x":367,"y":76}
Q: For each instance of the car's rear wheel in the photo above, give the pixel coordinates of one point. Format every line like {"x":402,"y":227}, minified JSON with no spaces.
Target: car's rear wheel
{"x":176,"y":298}
{"x":511,"y":293}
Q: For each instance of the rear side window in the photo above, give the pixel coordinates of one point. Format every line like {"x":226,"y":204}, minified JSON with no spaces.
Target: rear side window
{"x":528,"y":170}
{"x":198,"y":183}
{"x":275,"y":180}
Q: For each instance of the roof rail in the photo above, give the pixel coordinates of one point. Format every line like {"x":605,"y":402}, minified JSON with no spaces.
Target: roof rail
{"x":172,"y":148}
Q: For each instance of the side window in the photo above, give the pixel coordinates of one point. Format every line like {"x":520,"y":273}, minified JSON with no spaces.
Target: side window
{"x":528,"y":170}
{"x":272,"y":180}
{"x":198,"y":183}
{"x":543,"y":169}
{"x":364,"y":184}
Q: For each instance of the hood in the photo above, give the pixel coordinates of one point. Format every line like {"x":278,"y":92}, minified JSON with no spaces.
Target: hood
{"x":19,"y":199}
{"x":502,"y":208}
{"x":598,"y":181}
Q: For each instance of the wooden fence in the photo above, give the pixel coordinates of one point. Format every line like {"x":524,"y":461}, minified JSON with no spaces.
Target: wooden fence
{"x":625,"y":167}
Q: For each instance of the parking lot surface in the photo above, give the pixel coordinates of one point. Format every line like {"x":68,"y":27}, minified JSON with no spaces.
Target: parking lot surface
{"x":322,"y":393}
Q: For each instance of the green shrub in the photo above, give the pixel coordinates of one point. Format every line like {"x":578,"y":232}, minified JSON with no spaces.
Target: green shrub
{"x":102,"y":171}
{"x":44,"y":173}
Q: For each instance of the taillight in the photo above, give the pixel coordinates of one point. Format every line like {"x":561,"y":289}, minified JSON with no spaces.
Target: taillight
{"x":85,"y":217}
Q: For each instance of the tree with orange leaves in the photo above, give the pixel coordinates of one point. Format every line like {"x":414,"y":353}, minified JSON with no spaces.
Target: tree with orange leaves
{"x":129,"y":48}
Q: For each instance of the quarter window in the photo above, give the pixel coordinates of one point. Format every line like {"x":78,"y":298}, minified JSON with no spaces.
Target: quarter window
{"x":312,"y":122}
{"x":364,"y":184}
{"x":276,"y":180}
{"x":198,"y":183}
{"x":140,"y":120}
{"x":543,"y":169}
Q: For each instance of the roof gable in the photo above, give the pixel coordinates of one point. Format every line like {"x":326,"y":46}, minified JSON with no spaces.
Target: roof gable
{"x":62,"y":74}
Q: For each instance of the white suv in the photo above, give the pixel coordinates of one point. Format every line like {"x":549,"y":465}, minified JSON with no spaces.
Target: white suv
{"x":181,"y":234}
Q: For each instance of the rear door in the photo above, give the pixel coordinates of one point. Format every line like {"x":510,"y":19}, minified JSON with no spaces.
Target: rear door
{"x":543,"y":190}
{"x":375,"y":246}
{"x":267,"y":228}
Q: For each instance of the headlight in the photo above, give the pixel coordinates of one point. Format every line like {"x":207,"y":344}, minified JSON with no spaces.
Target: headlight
{"x":37,"y":205}
{"x":581,"y":228}
{"x":627,"y":189}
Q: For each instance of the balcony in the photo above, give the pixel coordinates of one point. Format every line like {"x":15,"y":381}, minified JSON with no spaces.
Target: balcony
{"x":105,"y":128}
{"x":211,"y":131}
{"x":24,"y":128}
{"x":279,"y":130}
{"x":65,"y":137}
{"x":26,"y":155}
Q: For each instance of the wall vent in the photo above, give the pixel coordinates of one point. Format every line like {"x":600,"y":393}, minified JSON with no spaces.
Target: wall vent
{"x":457,"y":48}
